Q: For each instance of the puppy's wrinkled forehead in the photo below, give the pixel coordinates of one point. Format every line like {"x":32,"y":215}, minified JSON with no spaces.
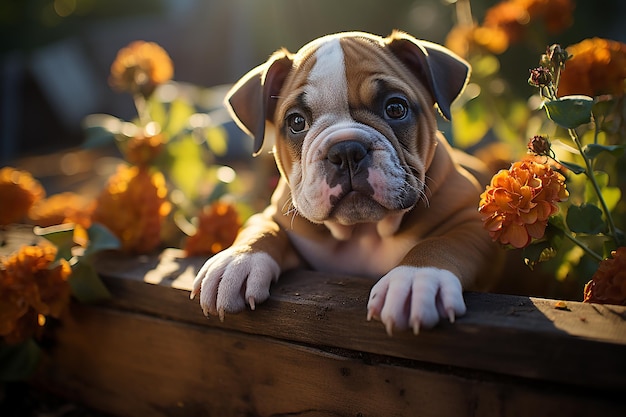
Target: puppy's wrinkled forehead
{"x":336,"y":72}
{"x":327,"y":82}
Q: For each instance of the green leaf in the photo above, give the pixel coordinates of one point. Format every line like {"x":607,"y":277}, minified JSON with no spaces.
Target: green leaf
{"x":97,"y":136}
{"x":86,"y":284}
{"x":217,"y":140}
{"x":19,"y":361}
{"x":570,"y":111}
{"x":585,"y":218}
{"x":593,"y":150}
{"x":611,"y":195}
{"x":485,"y":65}
{"x":188,"y":169}
{"x":604,"y":106}
{"x":471,"y":124}
{"x":62,"y":236}
{"x":538,"y":252}
{"x":101,"y":130}
{"x":576,"y":169}
{"x":179,"y":113}
{"x":158,"y":111}
{"x":100,"y":238}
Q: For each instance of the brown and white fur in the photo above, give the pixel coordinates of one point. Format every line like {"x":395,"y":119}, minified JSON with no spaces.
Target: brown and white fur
{"x":368,"y":185}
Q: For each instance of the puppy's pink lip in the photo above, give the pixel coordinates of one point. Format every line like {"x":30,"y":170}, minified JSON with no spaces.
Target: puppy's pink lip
{"x":356,"y":207}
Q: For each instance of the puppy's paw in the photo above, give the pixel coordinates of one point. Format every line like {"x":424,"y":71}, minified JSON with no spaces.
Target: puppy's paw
{"x":416,"y":298}
{"x":232,"y":278}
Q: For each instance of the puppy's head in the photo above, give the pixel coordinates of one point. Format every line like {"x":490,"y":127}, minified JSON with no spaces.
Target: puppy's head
{"x":353,"y":118}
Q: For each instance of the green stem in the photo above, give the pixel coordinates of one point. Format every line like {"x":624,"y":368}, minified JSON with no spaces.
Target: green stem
{"x":584,"y":247}
{"x":589,"y":173}
{"x":142,"y":109}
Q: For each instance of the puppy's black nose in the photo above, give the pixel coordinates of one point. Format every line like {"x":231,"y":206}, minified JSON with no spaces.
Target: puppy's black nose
{"x":347,"y":155}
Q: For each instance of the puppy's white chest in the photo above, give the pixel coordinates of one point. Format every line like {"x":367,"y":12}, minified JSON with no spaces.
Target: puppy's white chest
{"x":366,"y":253}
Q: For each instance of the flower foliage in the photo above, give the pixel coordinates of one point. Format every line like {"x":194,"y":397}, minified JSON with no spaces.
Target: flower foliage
{"x":133,"y":206}
{"x":32,"y":286}
{"x":507,"y":23}
{"x":217,"y":229}
{"x":516,"y":206}
{"x":21,"y":190}
{"x":140,"y":67}
{"x":597,"y":67}
{"x":608,"y":284}
{"x":169,"y":142}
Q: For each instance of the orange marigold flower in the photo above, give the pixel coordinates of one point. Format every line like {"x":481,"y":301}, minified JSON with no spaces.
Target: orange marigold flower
{"x":140,"y":67}
{"x":516,"y":206}
{"x":597,"y":67}
{"x":608,"y":284}
{"x":218,"y":226}
{"x":464,"y":40}
{"x":133,"y":206}
{"x":512,"y":17}
{"x":67,"y":207}
{"x":18,"y":192}
{"x":32,"y":286}
{"x":142,"y":149}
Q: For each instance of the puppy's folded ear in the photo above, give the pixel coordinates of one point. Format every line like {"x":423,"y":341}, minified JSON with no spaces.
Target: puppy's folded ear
{"x":252,"y":100}
{"x":444,"y":73}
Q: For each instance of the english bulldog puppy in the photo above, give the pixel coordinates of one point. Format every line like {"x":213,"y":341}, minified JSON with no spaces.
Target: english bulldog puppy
{"x":368,"y":187}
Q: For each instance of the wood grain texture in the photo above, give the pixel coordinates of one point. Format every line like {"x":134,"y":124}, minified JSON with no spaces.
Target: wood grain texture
{"x":133,"y":364}
{"x":526,"y":337}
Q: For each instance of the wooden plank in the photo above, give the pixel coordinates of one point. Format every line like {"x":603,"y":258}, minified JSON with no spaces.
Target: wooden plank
{"x":133,"y":364}
{"x":582,"y":346}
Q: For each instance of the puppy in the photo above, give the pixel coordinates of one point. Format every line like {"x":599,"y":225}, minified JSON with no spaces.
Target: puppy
{"x":368,"y":185}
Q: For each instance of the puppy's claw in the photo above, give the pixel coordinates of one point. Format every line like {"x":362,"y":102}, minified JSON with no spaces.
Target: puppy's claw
{"x":193,"y":294}
{"x":451,"y":316}
{"x":252,"y":303}
{"x":389,"y":327}
{"x":220,"y":313}
{"x":370,"y":315}
{"x":416,"y":327}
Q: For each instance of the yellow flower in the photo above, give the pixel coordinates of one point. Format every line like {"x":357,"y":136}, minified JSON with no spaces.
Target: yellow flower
{"x":32,"y":286}
{"x":67,"y":207}
{"x":516,"y":206}
{"x":597,"y":66}
{"x":142,"y":149}
{"x":140,"y":67}
{"x":217,"y":229}
{"x":608,"y":284}
{"x":18,"y":192}
{"x":133,"y":206}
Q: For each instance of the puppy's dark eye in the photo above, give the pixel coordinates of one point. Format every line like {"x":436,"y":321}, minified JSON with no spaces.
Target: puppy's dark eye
{"x":297,"y":123}
{"x":396,"y":108}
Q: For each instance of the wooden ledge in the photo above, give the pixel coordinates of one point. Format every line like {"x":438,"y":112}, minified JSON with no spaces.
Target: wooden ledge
{"x":310,"y":351}
{"x":584,"y":344}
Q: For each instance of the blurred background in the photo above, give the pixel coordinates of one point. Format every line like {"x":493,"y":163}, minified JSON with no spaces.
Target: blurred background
{"x":55,"y":55}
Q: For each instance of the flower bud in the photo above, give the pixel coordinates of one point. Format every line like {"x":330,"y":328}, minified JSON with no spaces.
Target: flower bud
{"x":539,"y":145}
{"x":540,"y":77}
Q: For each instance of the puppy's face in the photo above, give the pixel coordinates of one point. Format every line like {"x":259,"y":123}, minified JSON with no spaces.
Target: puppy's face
{"x":354,"y":123}
{"x":353,"y":137}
